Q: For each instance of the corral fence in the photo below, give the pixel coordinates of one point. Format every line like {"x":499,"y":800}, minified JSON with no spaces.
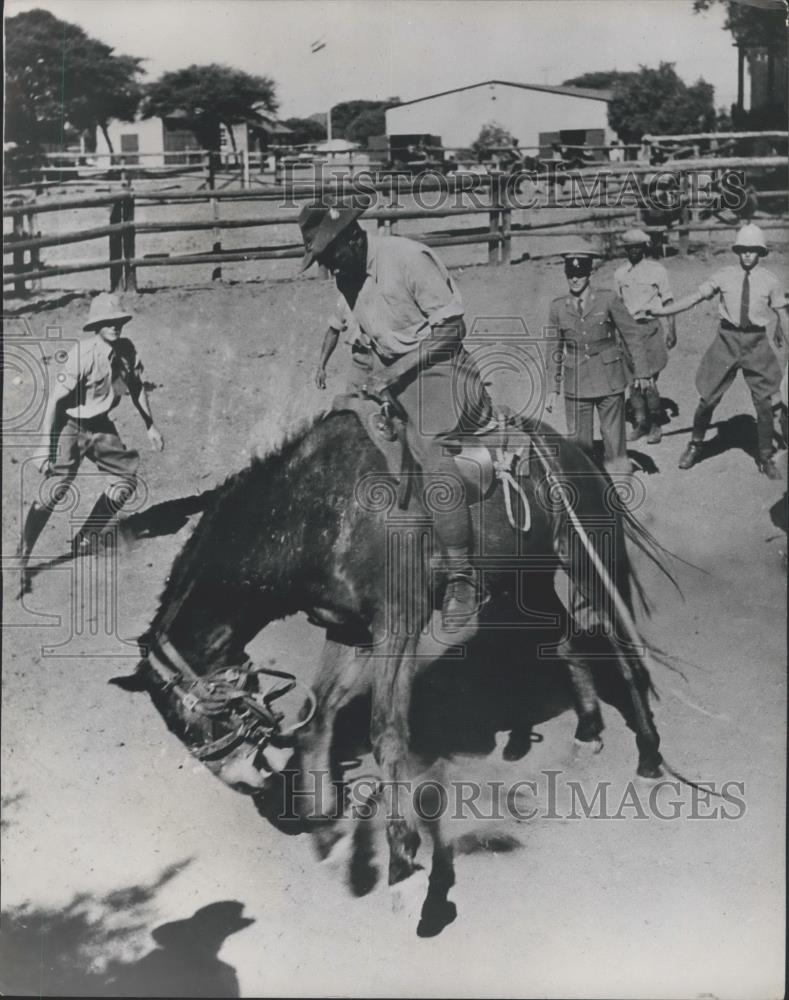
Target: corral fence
{"x":494,"y":196}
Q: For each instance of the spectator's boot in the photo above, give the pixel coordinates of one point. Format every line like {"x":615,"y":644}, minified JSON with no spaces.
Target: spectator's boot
{"x":654,"y":415}
{"x":96,"y":524}
{"x":690,"y":455}
{"x":764,"y":433}
{"x":36,"y":520}
{"x":641,"y":425}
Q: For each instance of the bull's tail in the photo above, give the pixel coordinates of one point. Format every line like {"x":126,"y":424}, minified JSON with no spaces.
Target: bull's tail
{"x":590,"y":575}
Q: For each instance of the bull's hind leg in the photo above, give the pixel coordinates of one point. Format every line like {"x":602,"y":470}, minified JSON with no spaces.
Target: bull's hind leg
{"x":613,"y":689}
{"x":587,"y":708}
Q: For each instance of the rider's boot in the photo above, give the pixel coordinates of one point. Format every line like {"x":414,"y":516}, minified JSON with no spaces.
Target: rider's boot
{"x":462,"y":599}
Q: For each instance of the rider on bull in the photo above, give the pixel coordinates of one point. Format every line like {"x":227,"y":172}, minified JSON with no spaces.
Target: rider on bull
{"x":410,"y":312}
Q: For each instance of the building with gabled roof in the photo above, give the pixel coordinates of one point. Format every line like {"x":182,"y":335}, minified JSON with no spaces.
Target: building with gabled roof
{"x":536,"y":114}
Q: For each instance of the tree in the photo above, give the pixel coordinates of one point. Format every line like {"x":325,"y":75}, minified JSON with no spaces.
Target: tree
{"x":58,"y":76}
{"x":762,"y":25}
{"x":600,"y":80}
{"x":209,"y":96}
{"x":657,"y":100}
{"x":371,"y":122}
{"x":305,"y":130}
{"x":345,"y":112}
{"x":491,"y":136}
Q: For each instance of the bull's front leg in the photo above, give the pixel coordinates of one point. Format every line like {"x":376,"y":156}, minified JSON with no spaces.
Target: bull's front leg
{"x":389,"y":732}
{"x":341,"y":677}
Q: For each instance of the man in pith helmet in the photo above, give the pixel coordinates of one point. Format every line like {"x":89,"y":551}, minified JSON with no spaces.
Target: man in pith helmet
{"x":749,"y":295}
{"x":77,"y":425}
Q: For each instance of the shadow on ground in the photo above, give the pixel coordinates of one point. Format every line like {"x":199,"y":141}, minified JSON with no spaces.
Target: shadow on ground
{"x":64,"y":952}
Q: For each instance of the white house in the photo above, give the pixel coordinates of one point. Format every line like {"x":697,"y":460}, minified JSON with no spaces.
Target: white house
{"x":154,"y":142}
{"x":535,"y":114}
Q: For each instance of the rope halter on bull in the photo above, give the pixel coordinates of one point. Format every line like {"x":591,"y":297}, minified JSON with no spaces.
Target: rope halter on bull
{"x":230,"y":699}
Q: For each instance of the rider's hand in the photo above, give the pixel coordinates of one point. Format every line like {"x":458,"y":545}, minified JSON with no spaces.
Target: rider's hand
{"x":320,"y":378}
{"x":671,"y":339}
{"x":155,"y":437}
{"x":44,"y":464}
{"x":551,"y":401}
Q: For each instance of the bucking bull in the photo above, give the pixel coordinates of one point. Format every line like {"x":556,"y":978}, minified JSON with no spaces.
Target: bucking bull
{"x":322,"y":527}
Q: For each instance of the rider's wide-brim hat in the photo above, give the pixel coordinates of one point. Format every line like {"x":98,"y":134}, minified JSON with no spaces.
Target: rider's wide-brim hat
{"x":635,"y":238}
{"x":105,"y":310}
{"x":751,"y":237}
{"x":321,"y":224}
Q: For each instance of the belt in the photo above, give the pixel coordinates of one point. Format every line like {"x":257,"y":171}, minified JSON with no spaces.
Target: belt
{"x":585,"y":347}
{"x":643,"y":320}
{"x":726,"y":325}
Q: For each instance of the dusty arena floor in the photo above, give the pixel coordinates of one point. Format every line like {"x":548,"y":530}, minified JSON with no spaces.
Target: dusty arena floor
{"x":111,"y":830}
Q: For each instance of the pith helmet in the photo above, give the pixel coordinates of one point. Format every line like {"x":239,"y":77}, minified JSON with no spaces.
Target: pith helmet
{"x":104,"y":311}
{"x":321,"y":224}
{"x":635,"y":238}
{"x":750,"y":237}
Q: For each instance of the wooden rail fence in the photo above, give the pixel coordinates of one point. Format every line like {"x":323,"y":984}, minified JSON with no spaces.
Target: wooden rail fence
{"x":491,"y":194}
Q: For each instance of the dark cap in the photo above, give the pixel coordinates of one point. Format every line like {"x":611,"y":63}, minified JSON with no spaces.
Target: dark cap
{"x":578,"y":266}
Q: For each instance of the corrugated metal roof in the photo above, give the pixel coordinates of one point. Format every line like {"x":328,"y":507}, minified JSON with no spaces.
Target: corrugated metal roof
{"x":581,"y":92}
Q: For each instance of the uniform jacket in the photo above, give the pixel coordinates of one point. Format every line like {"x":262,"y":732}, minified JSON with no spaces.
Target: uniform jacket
{"x":597,"y":353}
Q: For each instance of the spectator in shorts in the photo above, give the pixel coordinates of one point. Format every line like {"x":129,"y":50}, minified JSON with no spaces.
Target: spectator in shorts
{"x":77,"y":424}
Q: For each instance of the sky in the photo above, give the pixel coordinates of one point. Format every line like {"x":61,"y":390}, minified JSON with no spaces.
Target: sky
{"x":375,"y":49}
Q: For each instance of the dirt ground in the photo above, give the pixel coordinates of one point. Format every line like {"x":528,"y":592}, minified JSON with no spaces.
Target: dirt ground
{"x":111,"y":830}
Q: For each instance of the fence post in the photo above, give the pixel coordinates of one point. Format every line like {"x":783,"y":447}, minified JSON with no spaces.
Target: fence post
{"x":129,"y":245}
{"x":495,"y":220}
{"x":35,"y":258}
{"x":684,"y":234}
{"x":116,"y":247}
{"x":506,"y":222}
{"x":19,"y":256}
{"x":216,"y":274}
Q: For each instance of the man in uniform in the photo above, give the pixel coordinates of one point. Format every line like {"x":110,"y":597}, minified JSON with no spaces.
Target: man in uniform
{"x":410,"y":312}
{"x":643,"y":284}
{"x":77,"y":424}
{"x":748,"y":294}
{"x":599,"y":342}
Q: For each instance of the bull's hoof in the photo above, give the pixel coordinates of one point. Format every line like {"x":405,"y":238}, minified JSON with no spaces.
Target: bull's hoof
{"x":518,"y":745}
{"x":587,"y":748}
{"x":650,"y":769}
{"x":410,"y":893}
{"x":436,"y":915}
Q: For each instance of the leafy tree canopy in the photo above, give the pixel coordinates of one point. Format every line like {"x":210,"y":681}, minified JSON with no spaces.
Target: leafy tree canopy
{"x":207,"y":96}
{"x":492,"y":135}
{"x":751,"y":25}
{"x":58,"y":76}
{"x":371,"y":122}
{"x":657,"y":100}
{"x":345,"y":112}
{"x":305,"y":130}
